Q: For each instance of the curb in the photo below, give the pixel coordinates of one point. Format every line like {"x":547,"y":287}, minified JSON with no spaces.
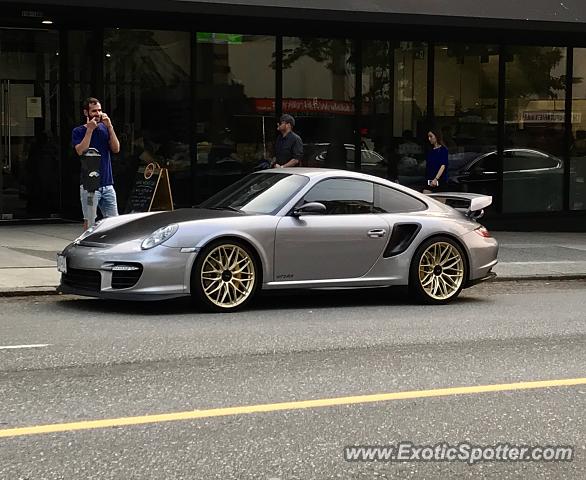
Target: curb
{"x":548,"y":277}
{"x":42,"y":291}
{"x":28,"y":292}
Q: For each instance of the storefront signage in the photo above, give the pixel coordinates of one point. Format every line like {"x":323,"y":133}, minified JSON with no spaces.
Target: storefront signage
{"x":34,"y":107}
{"x":151,"y":191}
{"x":306,"y":106}
{"x":228,"y":38}
{"x":550,"y":116}
{"x":31,"y":14}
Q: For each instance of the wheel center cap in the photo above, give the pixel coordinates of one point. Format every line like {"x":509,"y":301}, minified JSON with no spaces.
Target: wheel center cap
{"x":437,"y":271}
{"x":226,"y":275}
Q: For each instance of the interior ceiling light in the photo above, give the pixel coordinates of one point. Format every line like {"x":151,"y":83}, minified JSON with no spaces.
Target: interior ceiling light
{"x":47,"y":22}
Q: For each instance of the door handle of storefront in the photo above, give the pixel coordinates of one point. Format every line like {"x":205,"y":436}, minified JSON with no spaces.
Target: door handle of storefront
{"x":377,"y":233}
{"x":9,"y":129}
{"x":5,"y":154}
{"x":2,"y":126}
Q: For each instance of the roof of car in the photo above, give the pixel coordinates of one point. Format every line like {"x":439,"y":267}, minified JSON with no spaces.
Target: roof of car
{"x":319,"y":172}
{"x":332,"y":172}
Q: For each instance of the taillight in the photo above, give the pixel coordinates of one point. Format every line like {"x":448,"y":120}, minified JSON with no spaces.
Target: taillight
{"x":483,"y":232}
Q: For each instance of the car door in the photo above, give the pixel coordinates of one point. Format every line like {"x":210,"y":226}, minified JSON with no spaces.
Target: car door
{"x":532,"y":181}
{"x":344,"y":242}
{"x":481,"y":177}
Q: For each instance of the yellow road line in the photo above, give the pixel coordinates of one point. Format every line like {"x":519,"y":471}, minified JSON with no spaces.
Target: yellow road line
{"x":276,"y":407}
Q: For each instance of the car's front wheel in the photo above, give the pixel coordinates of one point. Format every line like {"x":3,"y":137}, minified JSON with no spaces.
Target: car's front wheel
{"x":225,"y":276}
{"x":438,"y":271}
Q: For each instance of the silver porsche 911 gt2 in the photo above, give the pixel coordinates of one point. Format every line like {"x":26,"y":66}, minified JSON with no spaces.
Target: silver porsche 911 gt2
{"x":288,"y":228}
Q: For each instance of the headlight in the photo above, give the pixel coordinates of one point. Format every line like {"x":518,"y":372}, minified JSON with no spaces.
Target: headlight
{"x":88,"y":232}
{"x":159,"y":236}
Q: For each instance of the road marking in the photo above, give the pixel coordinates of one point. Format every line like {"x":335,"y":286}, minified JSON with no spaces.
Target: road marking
{"x":276,"y":407}
{"x":16,"y":347}
{"x":556,"y":262}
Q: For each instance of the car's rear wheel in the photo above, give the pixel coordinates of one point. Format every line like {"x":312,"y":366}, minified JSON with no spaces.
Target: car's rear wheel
{"x":438,"y":271}
{"x":225,"y":276}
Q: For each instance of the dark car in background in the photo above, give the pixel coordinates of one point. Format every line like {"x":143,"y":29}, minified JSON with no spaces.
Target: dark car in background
{"x":531,"y":178}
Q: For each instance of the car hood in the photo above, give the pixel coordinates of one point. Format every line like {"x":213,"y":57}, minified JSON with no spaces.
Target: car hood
{"x":141,"y":226}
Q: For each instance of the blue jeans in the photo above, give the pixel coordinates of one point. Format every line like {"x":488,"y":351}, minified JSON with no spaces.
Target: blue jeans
{"x":104,"y":197}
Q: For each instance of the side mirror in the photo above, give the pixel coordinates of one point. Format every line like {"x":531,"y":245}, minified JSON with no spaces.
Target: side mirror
{"x":311,"y":208}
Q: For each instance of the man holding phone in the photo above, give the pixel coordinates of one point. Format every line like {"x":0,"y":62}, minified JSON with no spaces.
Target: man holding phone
{"x":98,"y":132}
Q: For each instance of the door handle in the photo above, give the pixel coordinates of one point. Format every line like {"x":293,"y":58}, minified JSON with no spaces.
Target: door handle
{"x":377,"y":233}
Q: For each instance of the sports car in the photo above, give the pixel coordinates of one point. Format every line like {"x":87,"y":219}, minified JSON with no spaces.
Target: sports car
{"x":288,"y":228}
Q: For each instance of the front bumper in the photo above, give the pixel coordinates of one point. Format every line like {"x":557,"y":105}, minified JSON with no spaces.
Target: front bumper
{"x":159,"y":273}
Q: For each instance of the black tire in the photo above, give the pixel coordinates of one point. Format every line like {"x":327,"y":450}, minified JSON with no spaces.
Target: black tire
{"x":236,"y":289}
{"x":449,"y":277}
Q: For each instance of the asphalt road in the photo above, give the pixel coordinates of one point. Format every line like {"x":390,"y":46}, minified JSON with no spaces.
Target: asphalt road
{"x":82,"y":359}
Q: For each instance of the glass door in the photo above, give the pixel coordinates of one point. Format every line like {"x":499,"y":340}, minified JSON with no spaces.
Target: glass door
{"x":29,"y":124}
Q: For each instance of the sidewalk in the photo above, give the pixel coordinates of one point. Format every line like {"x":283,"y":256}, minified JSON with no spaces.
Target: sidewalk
{"x":28,"y":256}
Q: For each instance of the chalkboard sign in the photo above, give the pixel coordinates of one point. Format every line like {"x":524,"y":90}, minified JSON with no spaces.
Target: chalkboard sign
{"x":151,"y":191}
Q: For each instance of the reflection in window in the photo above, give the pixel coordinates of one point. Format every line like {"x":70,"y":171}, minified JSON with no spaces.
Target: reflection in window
{"x":390,"y":200}
{"x":465,"y":107}
{"x":235,"y":107}
{"x":147,"y":78}
{"x":578,"y":146}
{"x":258,"y":193}
{"x":318,"y":90}
{"x":534,"y":120}
{"x":343,"y":196}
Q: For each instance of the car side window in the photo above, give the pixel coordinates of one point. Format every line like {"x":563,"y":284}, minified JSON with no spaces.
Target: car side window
{"x":487,"y":164}
{"x":343,"y":196}
{"x":526,"y":160}
{"x":389,"y":200}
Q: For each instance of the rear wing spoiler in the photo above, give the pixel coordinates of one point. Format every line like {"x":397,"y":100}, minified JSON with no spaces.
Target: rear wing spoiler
{"x":472,"y":204}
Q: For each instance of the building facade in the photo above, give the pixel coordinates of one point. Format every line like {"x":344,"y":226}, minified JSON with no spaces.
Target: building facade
{"x":197,"y":87}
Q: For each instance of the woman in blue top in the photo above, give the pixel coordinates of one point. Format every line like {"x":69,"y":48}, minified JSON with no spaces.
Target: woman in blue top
{"x":436,"y":168}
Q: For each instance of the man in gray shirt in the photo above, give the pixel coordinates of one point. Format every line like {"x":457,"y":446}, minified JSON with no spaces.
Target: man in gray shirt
{"x":289,"y":146}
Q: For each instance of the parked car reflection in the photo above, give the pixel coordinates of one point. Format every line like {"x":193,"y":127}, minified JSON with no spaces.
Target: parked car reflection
{"x":331,"y":155}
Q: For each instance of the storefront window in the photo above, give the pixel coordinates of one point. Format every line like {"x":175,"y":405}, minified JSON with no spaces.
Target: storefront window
{"x":80,"y":83}
{"x":534,"y":118}
{"x":29,"y":120}
{"x":318,"y":90}
{"x":578,"y":146}
{"x":148,"y":96}
{"x":235,"y":107}
{"x":81,"y":72}
{"x":394,"y":103}
{"x":410,"y":105}
{"x":465,"y":107}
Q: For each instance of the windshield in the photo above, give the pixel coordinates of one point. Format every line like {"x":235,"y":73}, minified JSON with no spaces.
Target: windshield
{"x":258,"y":193}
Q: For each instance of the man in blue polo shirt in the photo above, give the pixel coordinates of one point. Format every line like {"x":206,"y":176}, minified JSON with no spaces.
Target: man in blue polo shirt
{"x":97,"y":133}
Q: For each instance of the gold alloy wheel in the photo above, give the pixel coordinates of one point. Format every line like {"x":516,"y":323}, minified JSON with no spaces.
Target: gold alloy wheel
{"x":227,"y":276}
{"x":441,"y":270}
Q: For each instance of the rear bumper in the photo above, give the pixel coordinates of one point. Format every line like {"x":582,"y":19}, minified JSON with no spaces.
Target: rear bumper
{"x":483,"y":256}
{"x":490,"y":276}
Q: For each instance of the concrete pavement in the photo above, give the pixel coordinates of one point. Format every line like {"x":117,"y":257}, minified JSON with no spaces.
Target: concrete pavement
{"x":28,"y":256}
